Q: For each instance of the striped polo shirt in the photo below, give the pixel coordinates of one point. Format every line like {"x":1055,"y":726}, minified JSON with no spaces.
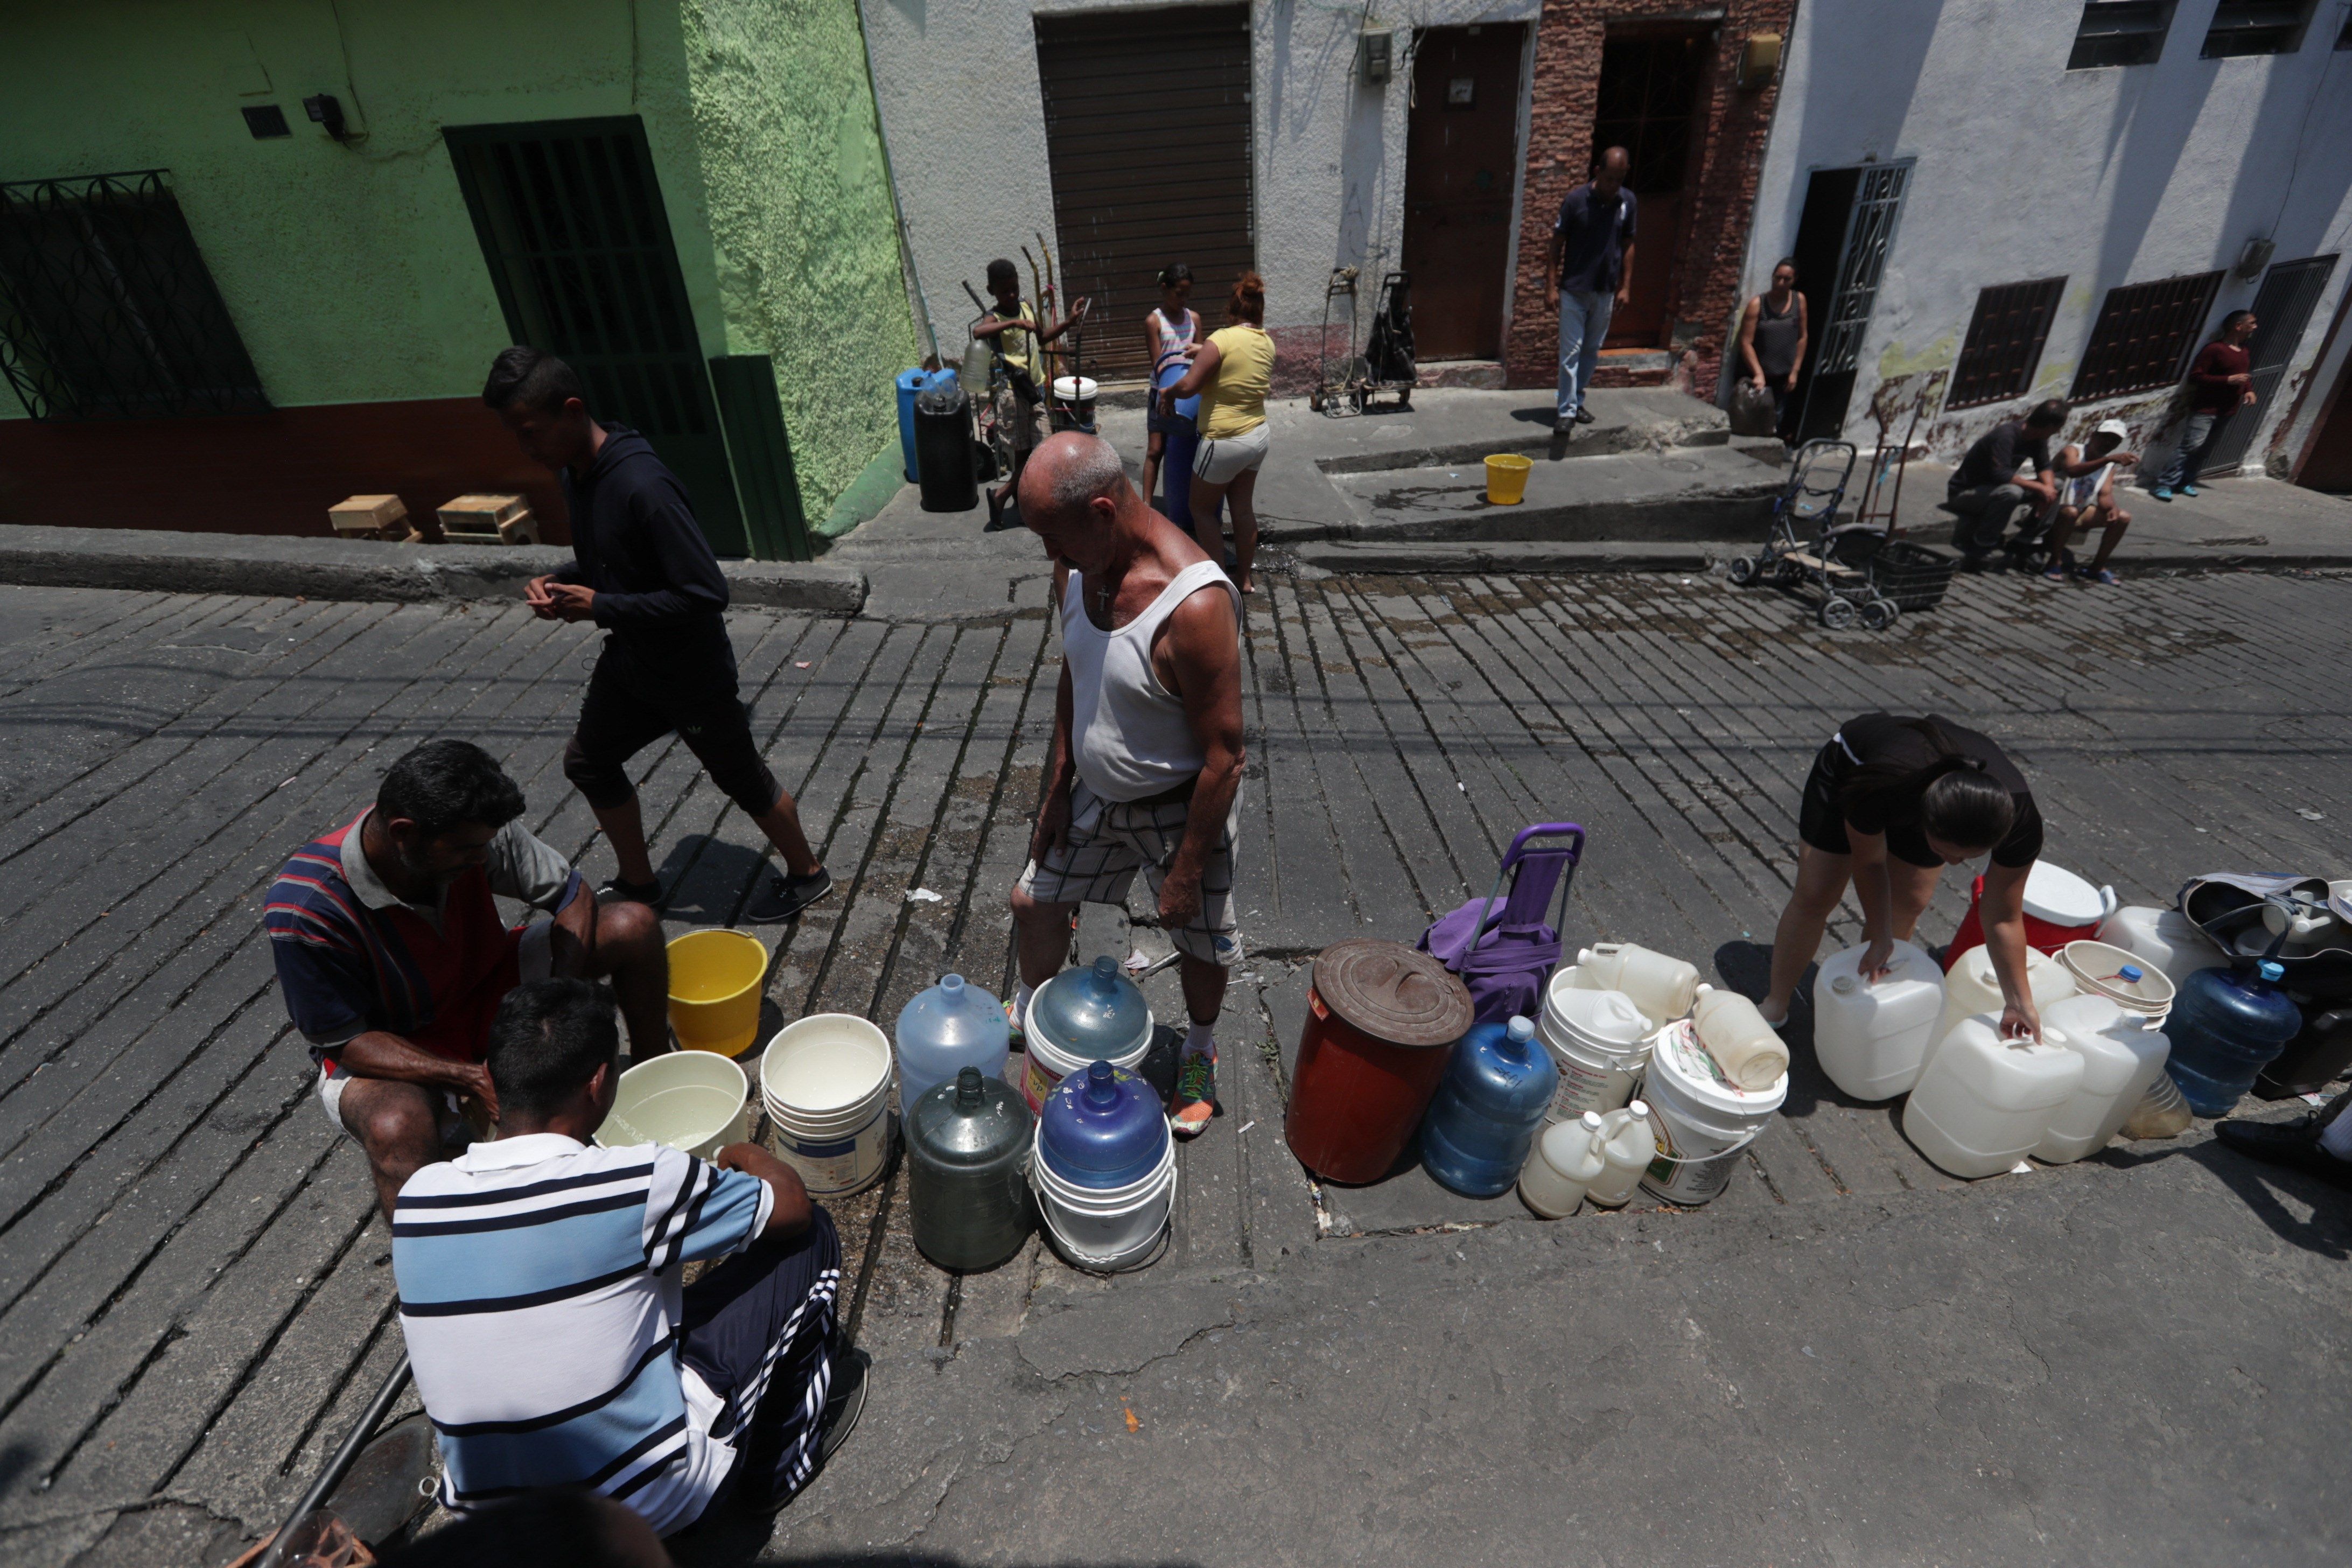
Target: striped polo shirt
{"x":540,"y":1293}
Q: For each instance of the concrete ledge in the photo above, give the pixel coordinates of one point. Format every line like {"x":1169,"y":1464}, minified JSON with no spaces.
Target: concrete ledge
{"x":157,"y":560}
{"x":1450,"y":557}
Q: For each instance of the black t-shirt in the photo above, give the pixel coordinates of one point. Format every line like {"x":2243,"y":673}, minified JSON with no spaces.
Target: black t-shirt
{"x":1998,"y":453}
{"x":1882,"y":738}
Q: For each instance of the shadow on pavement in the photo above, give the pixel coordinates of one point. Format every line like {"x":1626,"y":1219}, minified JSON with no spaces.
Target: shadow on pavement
{"x":2327,"y":1233}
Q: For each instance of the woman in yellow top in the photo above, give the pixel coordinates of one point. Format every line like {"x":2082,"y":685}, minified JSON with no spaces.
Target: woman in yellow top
{"x":1230,"y":374}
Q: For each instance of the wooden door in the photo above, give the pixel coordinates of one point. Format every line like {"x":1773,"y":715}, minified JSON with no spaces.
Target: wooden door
{"x":1460,"y":153}
{"x":1646,"y":100}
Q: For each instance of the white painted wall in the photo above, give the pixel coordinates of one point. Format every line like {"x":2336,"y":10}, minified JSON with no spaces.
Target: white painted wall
{"x":2027,"y":170}
{"x":957,"y":84}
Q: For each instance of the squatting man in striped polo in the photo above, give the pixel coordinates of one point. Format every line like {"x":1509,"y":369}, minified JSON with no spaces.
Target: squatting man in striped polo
{"x":540,"y":1296}
{"x":392,"y":954}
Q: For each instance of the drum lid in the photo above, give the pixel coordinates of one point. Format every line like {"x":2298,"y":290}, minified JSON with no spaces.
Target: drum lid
{"x":1393,"y":993}
{"x":2054,"y":894}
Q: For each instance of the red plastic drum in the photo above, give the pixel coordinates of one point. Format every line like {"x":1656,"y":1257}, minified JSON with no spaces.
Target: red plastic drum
{"x":1382,"y":1023}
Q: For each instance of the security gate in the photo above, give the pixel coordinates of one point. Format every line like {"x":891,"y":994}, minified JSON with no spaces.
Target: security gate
{"x":572,"y":225}
{"x":1869,"y":225}
{"x":2282,"y":310}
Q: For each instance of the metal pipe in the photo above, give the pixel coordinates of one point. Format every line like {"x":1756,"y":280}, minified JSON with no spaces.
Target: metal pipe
{"x":273,"y":1556}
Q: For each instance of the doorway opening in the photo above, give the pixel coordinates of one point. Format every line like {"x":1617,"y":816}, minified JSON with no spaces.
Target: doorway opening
{"x":1461,"y":163}
{"x":1647,"y":103}
{"x":2281,"y":307}
{"x":572,"y":225}
{"x":1843,"y":237}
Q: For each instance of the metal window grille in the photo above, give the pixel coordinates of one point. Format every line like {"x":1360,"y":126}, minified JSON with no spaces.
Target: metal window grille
{"x":2143,"y":335}
{"x":106,"y":307}
{"x":2120,"y":32}
{"x":2256,"y":27}
{"x":1870,"y":235}
{"x":2004,"y":342}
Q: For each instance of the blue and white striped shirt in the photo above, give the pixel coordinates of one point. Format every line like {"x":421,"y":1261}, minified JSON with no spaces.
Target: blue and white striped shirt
{"x":539,"y":1293}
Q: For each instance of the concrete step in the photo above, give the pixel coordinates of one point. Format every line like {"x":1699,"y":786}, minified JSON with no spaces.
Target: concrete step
{"x":1676,"y":495}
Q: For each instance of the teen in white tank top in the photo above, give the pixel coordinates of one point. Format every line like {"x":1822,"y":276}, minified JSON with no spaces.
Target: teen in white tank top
{"x":1129,"y":739}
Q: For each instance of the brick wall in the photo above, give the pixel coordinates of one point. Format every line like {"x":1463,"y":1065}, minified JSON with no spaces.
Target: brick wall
{"x":1730,"y":128}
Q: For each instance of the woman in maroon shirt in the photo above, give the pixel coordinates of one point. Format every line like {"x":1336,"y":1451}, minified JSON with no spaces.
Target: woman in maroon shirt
{"x":2220,"y":381}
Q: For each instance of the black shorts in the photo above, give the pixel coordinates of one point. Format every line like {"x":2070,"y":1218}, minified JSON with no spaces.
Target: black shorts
{"x":627,"y":710}
{"x":1822,"y":824}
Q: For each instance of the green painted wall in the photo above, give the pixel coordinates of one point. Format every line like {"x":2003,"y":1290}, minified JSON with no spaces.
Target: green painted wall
{"x":352,"y":271}
{"x":806,"y":243}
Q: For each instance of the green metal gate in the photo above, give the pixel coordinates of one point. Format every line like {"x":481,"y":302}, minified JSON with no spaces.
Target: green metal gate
{"x":570,"y":220}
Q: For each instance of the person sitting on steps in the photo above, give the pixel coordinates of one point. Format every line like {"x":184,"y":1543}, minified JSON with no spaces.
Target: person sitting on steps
{"x":1987,"y":488}
{"x":2086,"y":499}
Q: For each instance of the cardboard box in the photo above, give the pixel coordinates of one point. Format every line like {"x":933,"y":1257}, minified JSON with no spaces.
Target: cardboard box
{"x":488,"y":520}
{"x":370,"y":516}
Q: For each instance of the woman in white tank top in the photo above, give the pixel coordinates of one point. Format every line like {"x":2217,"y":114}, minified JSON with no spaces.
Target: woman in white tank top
{"x":1171,"y":334}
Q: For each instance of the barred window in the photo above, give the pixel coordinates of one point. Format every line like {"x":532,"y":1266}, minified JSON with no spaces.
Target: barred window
{"x":2256,"y":27}
{"x":2004,"y":342}
{"x":106,"y":307}
{"x":2120,"y":32}
{"x":2144,"y":334}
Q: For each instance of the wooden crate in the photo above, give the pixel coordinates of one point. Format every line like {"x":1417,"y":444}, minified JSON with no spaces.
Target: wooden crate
{"x":370,"y":516}
{"x":488,"y":520}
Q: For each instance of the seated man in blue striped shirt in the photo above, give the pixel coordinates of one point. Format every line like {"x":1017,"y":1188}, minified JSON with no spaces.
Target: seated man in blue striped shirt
{"x":539,"y":1293}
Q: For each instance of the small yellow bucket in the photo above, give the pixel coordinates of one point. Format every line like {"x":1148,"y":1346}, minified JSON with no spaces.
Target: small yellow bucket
{"x":1506,"y":478}
{"x":714,"y":990}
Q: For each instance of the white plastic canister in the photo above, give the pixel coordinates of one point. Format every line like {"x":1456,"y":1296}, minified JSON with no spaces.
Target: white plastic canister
{"x":1661,"y":987}
{"x":1872,"y":1038}
{"x":1985,"y":1102}
{"x":1972,"y":987}
{"x":825,"y":1081}
{"x":1564,"y":1162}
{"x":2123,"y":1055}
{"x":2165,"y":937}
{"x":1599,"y":1041}
{"x":1628,"y":1142}
{"x":1701,"y":1120}
{"x":1735,"y":1034}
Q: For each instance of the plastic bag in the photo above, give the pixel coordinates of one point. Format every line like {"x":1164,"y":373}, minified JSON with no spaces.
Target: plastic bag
{"x":1752,"y":413}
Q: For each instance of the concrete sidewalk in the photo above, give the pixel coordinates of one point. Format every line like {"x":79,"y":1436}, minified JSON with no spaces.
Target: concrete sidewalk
{"x":1656,"y":482}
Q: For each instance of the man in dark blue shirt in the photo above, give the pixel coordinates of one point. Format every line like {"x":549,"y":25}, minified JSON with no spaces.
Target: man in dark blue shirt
{"x":647,"y":576}
{"x":1592,"y":276}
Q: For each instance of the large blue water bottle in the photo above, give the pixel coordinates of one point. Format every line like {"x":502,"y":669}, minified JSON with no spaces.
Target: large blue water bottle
{"x":953,"y":1026}
{"x":2225,"y":1027}
{"x":1488,"y":1108}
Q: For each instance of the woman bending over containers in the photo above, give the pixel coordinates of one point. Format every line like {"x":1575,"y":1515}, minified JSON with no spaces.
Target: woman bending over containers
{"x":1890,"y":802}
{"x":1230,"y":374}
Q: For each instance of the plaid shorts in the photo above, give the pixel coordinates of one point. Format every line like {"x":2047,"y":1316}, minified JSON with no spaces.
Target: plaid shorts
{"x":1110,"y":840}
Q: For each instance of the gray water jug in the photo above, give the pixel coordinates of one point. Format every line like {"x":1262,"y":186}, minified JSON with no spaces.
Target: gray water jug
{"x":967,"y":1166}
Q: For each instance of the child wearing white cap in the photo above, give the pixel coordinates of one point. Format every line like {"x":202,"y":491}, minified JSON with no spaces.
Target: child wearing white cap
{"x":2086,"y":498}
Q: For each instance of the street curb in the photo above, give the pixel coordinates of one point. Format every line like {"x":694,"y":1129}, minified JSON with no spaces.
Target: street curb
{"x":158,"y":560}
{"x":1431,"y":558}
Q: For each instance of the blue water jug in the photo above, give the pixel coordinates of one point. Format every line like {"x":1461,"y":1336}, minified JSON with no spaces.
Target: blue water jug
{"x":2225,"y":1027}
{"x":1103,"y":1128}
{"x":910,"y":381}
{"x":1488,"y":1108}
{"x":953,"y":1026}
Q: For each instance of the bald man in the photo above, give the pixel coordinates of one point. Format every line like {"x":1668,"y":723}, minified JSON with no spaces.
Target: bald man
{"x":1145,"y":770}
{"x":1592,"y":276}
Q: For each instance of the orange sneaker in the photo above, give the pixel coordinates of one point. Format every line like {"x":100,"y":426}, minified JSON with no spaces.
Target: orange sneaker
{"x":1194,"y":1103}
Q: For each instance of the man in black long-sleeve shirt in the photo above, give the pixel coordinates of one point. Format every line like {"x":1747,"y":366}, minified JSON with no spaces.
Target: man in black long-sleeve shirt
{"x":647,"y":576}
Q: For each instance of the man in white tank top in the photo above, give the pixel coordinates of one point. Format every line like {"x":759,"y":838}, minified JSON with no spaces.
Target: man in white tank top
{"x":1146,"y":768}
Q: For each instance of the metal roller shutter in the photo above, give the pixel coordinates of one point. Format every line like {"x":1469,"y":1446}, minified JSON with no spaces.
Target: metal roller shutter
{"x":1148,"y":129}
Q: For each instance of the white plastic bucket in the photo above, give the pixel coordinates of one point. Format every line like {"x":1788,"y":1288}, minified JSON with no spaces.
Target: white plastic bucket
{"x":1701,"y":1119}
{"x":825,"y":1081}
{"x":1105,"y":1229}
{"x":695,"y":1100}
{"x":1599,"y":1039}
{"x":1043,"y":1067}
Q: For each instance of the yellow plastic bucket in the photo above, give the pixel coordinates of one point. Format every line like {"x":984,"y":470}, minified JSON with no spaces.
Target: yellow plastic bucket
{"x":1506,"y":478}
{"x":714,"y":990}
